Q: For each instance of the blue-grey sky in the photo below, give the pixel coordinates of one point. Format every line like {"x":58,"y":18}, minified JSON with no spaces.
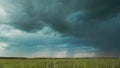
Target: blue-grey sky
{"x":60,"y":28}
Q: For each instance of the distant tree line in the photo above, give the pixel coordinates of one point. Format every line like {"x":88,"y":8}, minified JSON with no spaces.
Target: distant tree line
{"x":59,"y":58}
{"x":13,"y":58}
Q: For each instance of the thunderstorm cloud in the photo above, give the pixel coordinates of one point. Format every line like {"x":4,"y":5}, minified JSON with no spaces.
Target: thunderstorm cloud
{"x":60,"y":28}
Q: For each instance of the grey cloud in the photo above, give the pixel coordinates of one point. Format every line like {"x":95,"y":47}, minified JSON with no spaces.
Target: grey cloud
{"x":98,"y":24}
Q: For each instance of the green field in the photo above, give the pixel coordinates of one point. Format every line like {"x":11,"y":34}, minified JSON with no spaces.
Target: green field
{"x":59,"y":63}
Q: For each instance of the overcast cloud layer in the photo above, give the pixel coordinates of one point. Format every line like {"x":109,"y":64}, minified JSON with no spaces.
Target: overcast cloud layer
{"x":60,"y":28}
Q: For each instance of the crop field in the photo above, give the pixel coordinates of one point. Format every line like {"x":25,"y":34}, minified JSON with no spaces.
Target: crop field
{"x":59,"y":63}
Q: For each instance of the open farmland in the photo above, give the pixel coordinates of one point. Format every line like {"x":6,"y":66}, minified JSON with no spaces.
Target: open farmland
{"x":59,"y":63}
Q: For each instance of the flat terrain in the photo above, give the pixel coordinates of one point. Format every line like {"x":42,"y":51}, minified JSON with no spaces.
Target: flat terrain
{"x":59,"y":63}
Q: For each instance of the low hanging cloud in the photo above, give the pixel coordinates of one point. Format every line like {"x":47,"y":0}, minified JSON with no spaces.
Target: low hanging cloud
{"x":45,"y":43}
{"x":94,"y":23}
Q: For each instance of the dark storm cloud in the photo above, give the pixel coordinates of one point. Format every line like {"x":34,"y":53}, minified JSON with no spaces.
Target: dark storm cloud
{"x":37,"y":12}
{"x":94,"y":22}
{"x":99,"y":26}
{"x":31,"y":15}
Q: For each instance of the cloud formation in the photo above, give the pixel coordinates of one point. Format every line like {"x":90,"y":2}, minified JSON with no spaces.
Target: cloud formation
{"x":94,"y":23}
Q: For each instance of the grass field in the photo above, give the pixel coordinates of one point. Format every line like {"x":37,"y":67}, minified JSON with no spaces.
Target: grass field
{"x":59,"y":63}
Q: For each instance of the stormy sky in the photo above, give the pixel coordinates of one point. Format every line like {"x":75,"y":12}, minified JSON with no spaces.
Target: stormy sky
{"x":60,"y":28}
